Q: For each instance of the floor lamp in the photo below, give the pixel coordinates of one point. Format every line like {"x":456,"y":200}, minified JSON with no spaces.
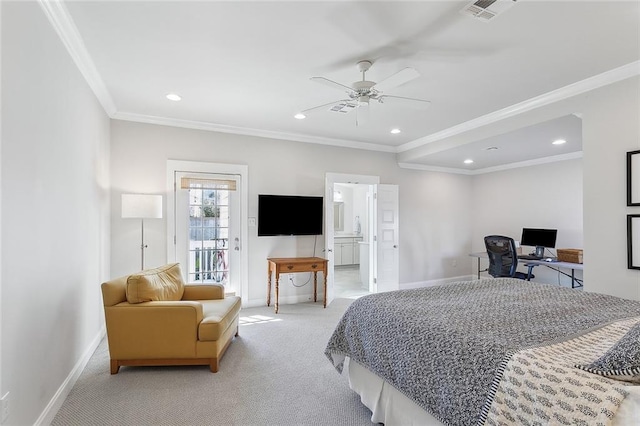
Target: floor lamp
{"x":141,"y":206}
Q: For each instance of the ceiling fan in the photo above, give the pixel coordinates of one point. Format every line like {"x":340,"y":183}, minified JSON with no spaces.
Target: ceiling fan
{"x":362,"y":92}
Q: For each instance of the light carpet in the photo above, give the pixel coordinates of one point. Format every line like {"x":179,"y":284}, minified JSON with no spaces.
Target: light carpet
{"x":274,"y":373}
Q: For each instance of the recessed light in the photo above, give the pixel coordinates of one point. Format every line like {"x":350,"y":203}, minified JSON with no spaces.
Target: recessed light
{"x":468,"y":161}
{"x":559,"y":142}
{"x":395,"y":131}
{"x":173,"y":97}
{"x":300,"y":116}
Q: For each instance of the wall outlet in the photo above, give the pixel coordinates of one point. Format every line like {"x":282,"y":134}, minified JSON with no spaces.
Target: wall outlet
{"x":252,"y":221}
{"x":290,"y":277}
{"x":454,"y":262}
{"x":4,"y":407}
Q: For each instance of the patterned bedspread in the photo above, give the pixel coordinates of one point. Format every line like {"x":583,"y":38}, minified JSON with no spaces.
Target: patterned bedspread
{"x":540,"y":386}
{"x":445,"y":346}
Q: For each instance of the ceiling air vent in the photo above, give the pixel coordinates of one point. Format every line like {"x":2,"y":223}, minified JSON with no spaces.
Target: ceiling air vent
{"x":486,"y":10}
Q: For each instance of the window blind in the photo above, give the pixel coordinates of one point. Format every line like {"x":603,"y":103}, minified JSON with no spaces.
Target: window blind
{"x":204,"y":183}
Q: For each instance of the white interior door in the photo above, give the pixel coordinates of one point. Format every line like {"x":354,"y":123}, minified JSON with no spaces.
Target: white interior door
{"x":386,"y":250}
{"x":328,"y":235}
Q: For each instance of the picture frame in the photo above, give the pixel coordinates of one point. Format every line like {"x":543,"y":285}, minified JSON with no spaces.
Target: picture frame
{"x":633,"y":178}
{"x":633,"y":240}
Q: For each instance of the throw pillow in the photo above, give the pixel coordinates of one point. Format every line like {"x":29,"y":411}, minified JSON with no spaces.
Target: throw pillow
{"x":163,"y":283}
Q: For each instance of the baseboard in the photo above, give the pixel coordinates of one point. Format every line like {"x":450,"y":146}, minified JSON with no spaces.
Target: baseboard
{"x":56,"y":402}
{"x":431,"y":283}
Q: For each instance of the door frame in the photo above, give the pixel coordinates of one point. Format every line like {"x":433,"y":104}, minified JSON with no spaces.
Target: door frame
{"x":214,"y":168}
{"x":330,"y":180}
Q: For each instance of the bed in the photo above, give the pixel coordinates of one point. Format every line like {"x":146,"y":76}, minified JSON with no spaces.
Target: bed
{"x":495,"y":352}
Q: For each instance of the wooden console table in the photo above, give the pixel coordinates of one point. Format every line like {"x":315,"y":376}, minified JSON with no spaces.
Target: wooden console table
{"x":296,"y":264}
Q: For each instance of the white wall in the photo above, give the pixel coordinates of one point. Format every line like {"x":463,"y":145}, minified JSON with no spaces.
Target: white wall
{"x":611,"y":127}
{"x":436,"y":213}
{"x":434,"y":207}
{"x":542,"y":196}
{"x":55,"y":215}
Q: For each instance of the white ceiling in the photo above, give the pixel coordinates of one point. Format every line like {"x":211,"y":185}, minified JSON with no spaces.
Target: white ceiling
{"x":244,"y":67}
{"x":527,"y":145}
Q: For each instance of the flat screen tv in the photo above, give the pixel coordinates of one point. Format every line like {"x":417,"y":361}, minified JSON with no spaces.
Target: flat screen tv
{"x":289,"y":215}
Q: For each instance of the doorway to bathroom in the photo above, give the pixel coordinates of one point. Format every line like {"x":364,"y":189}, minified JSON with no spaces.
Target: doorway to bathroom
{"x":363,"y":252}
{"x":352,"y":214}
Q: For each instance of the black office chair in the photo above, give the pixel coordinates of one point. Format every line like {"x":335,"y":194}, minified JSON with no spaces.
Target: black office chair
{"x":503,"y":258}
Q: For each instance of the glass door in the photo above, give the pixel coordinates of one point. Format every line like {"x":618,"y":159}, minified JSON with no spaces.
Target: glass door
{"x":207,"y":223}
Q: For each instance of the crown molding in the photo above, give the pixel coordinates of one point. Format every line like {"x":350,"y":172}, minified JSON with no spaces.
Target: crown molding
{"x":424,"y":167}
{"x":520,"y":164}
{"x":221,"y":128}
{"x":529,"y":163}
{"x":577,"y":88}
{"x":66,"y":29}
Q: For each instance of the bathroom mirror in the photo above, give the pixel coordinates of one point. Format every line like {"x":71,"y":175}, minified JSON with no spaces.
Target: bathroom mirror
{"x":338,"y":216}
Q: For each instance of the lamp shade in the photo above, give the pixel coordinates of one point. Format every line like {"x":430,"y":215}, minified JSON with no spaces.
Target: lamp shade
{"x":141,"y":206}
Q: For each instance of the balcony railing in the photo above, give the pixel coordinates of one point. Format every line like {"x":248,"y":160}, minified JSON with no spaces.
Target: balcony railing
{"x":210,"y":264}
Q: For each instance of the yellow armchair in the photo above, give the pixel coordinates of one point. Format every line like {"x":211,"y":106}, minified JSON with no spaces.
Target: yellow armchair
{"x":153,"y":318}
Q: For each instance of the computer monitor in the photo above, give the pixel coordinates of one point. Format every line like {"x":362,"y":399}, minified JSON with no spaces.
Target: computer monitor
{"x":540,"y":238}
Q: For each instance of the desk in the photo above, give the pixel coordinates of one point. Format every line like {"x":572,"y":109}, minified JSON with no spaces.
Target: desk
{"x":552,"y":265}
{"x":296,"y":264}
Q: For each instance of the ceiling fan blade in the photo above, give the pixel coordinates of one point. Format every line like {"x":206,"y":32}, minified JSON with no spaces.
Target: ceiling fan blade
{"x":326,"y":105}
{"x":331,"y":83}
{"x":381,"y":32}
{"x":413,"y":102}
{"x":395,"y":80}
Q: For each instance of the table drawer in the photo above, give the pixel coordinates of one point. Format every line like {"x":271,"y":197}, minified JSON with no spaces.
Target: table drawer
{"x":301,"y":267}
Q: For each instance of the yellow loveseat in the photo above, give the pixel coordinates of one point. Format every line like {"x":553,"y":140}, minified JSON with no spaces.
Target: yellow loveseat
{"x":153,"y":318}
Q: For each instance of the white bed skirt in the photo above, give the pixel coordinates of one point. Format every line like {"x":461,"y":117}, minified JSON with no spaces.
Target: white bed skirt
{"x":391,"y":407}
